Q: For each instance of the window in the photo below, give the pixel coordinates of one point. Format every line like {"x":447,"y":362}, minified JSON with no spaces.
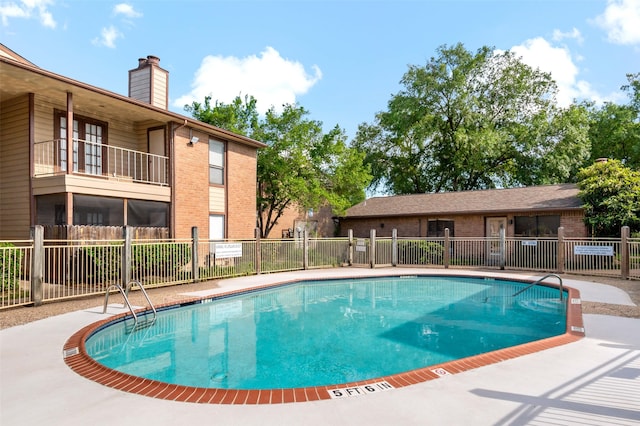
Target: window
{"x":436,"y":228}
{"x":536,"y":226}
{"x":216,"y":162}
{"x":89,"y":136}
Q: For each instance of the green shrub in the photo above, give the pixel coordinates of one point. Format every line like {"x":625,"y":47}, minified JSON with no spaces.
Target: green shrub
{"x":164,"y":260}
{"x":10,"y":261}
{"x":98,"y":263}
{"x":420,"y":252}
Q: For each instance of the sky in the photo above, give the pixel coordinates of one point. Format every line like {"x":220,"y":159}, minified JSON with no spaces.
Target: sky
{"x":342,"y":60}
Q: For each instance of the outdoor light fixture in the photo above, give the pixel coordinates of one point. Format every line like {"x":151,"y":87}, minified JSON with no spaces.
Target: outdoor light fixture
{"x":192,"y":139}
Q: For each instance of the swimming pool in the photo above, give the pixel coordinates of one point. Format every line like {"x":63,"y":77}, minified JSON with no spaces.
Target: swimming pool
{"x":248,"y":332}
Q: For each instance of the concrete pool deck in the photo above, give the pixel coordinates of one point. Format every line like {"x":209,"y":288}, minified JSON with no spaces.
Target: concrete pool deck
{"x":593,"y":381}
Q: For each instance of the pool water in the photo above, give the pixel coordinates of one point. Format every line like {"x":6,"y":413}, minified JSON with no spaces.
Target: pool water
{"x":318,"y":333}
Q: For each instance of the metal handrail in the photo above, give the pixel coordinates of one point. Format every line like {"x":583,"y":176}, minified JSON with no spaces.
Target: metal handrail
{"x":126,"y":300}
{"x":125,"y":295}
{"x":539,"y":281}
{"x":114,"y":162}
{"x":144,"y":292}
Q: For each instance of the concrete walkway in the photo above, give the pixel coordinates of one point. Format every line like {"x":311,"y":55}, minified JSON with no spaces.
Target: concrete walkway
{"x":595,"y":381}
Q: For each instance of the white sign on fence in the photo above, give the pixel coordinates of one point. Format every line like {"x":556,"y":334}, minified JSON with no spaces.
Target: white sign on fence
{"x":531,"y":243}
{"x":227,"y":250}
{"x":593,"y":250}
{"x":361,"y":245}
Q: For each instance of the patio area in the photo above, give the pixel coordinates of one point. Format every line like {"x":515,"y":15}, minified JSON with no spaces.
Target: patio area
{"x":593,"y":381}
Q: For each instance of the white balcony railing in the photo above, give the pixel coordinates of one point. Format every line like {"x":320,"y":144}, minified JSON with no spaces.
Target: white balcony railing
{"x":50,"y":158}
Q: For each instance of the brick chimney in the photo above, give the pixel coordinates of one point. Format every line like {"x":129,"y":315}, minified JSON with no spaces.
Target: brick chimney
{"x":150,"y":83}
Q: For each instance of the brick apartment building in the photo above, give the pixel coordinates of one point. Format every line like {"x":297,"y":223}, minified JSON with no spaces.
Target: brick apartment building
{"x":131,"y":160}
{"x":536,"y":211}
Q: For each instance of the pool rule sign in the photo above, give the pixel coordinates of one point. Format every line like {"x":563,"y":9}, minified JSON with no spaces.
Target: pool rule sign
{"x":359,"y":390}
{"x":224,"y":251}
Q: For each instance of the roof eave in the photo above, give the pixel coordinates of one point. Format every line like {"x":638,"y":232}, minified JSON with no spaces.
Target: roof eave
{"x":459,"y":213}
{"x":171,"y":116}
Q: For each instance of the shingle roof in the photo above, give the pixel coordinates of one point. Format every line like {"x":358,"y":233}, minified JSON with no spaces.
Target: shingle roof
{"x":546,"y":197}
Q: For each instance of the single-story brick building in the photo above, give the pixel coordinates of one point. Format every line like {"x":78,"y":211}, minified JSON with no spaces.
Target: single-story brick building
{"x":535,"y":211}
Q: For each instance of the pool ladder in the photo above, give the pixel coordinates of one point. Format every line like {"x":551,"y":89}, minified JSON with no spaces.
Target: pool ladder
{"x":539,"y":281}
{"x":125,"y":295}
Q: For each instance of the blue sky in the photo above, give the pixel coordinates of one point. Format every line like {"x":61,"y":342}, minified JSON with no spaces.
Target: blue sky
{"x":341,"y":60}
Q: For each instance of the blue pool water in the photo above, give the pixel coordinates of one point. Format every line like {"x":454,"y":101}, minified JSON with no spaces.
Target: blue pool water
{"x":318,"y":333}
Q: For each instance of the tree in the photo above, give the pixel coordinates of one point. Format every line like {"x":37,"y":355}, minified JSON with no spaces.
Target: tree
{"x":611,"y":196}
{"x":470,"y":121}
{"x":615,"y":129}
{"x":301,"y":166}
{"x":633,"y":90}
{"x":240,"y":116}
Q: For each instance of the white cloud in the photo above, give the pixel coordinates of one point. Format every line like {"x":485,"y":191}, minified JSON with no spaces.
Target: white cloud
{"x":270,"y":78}
{"x":558,"y":62}
{"x":108,"y":37}
{"x":621,"y":21}
{"x":573,"y":34}
{"x":127,"y":10}
{"x":27,"y":9}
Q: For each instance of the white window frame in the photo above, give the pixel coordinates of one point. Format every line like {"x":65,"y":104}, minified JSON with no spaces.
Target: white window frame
{"x":216,"y":161}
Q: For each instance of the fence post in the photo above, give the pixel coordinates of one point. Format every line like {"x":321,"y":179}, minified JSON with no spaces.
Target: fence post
{"x":503,"y":248}
{"x":350,"y":254}
{"x":258,"y":251}
{"x":624,"y":253}
{"x":195,"y":270}
{"x":447,"y":248}
{"x":37,"y":262}
{"x":560,"y":257}
{"x":372,"y":248}
{"x":394,"y":247}
{"x":305,"y":249}
{"x":126,"y":256}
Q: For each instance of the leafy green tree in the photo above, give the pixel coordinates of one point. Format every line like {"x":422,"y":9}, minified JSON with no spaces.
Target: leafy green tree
{"x":615,"y":129}
{"x":610,"y":193}
{"x":240,"y":116}
{"x":633,"y":89}
{"x":473,"y":120}
{"x":301,"y":166}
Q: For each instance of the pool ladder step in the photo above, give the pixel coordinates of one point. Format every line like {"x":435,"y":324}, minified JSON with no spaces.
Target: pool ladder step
{"x":538,"y":281}
{"x":125,"y":295}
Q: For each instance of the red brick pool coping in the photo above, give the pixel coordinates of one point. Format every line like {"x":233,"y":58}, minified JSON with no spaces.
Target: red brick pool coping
{"x":76,"y":357}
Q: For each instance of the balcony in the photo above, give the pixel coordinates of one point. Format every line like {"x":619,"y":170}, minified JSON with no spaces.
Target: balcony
{"x":104,"y":161}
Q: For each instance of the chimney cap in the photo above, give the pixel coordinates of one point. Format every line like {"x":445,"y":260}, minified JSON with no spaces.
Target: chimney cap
{"x":149,"y":60}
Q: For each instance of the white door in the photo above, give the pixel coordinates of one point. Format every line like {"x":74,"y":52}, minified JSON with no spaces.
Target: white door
{"x":493,"y":227}
{"x":157,"y":172}
{"x":216,"y":227}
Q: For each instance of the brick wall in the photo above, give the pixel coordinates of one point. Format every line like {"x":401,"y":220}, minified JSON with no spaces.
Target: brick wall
{"x":191,"y":184}
{"x":241,"y":188}
{"x":192,"y":187}
{"x":323,"y":218}
{"x":286,"y":221}
{"x":573,"y":223}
